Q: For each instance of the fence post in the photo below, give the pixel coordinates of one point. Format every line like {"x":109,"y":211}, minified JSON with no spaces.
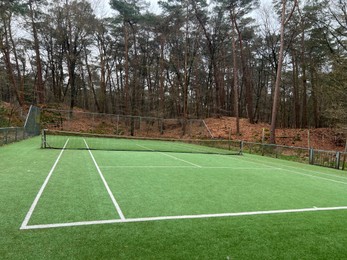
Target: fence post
{"x":311,"y":156}
{"x":6,"y":136}
{"x":241,"y":147}
{"x":337,"y":161}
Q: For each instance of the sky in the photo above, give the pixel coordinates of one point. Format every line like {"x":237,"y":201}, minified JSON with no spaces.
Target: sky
{"x":103,"y":8}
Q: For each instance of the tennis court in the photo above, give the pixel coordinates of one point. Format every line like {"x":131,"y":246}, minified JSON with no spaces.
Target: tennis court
{"x":150,"y":200}
{"x":151,"y":180}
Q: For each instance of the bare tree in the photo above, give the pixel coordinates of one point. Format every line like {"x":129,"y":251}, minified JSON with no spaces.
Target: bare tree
{"x":284,"y":20}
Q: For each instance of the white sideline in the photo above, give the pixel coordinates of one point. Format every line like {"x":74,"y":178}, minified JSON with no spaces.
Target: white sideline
{"x":147,"y":219}
{"x":115,"y":203}
{"x":36,"y":200}
{"x":295,"y":171}
{"x":147,"y":148}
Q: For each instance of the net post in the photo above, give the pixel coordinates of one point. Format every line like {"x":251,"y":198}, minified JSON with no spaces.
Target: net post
{"x":43,"y":139}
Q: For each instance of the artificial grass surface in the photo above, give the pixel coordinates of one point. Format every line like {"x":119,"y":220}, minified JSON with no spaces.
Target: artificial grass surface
{"x":75,"y":188}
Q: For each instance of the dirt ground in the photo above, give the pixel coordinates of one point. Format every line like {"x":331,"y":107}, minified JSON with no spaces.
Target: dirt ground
{"x":224,"y":127}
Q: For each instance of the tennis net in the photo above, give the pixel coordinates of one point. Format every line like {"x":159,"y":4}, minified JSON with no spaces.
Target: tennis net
{"x":83,"y":141}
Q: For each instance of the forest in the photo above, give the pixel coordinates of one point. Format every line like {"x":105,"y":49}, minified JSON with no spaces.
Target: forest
{"x":283,"y":63}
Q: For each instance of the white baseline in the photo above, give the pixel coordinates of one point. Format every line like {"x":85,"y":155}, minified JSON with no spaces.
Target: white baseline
{"x":202,"y":216}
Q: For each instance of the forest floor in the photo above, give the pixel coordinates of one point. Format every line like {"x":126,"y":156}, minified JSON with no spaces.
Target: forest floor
{"x":222,"y":127}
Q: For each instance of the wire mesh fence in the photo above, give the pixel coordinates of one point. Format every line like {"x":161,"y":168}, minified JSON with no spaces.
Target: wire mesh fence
{"x":331,"y":159}
{"x":96,"y":123}
{"x":11,"y":134}
{"x":79,"y":121}
{"x":31,"y":128}
{"x":291,"y":153}
{"x":32,"y":122}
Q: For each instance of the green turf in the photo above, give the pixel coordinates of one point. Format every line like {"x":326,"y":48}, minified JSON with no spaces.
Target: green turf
{"x":163,"y":184}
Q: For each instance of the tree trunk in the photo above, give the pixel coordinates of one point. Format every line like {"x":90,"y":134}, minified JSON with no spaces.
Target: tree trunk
{"x":314,"y":97}
{"x":126,"y":70}
{"x":276,"y":98}
{"x":161,"y":111}
{"x":5,"y":48}
{"x":246,"y":78}
{"x":296,"y":96}
{"x":39,"y":84}
{"x":235,"y":76}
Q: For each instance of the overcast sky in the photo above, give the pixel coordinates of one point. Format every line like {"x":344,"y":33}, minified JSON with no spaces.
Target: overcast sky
{"x":103,"y":8}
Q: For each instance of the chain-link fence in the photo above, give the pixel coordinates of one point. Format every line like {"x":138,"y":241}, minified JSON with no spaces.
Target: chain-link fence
{"x":292,"y":153}
{"x":96,"y":123}
{"x":79,"y":121}
{"x":11,"y":134}
{"x":32,"y":122}
{"x":31,"y":128}
{"x":331,"y":159}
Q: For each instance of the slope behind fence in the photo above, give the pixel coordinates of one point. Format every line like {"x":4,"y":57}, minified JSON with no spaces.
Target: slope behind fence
{"x":79,"y":121}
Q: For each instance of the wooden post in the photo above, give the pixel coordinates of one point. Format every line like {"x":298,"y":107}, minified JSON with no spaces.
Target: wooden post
{"x":263,"y":136}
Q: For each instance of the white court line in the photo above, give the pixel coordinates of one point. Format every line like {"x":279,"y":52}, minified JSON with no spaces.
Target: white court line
{"x":194,"y":167}
{"x":296,"y":171}
{"x":313,"y":176}
{"x":146,"y":166}
{"x":115,"y":203}
{"x":202,"y":216}
{"x":147,"y":148}
{"x":36,"y":200}
{"x":322,"y":173}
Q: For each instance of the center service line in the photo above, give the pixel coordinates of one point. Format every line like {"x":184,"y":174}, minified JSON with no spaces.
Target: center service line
{"x":171,"y":156}
{"x":115,"y":203}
